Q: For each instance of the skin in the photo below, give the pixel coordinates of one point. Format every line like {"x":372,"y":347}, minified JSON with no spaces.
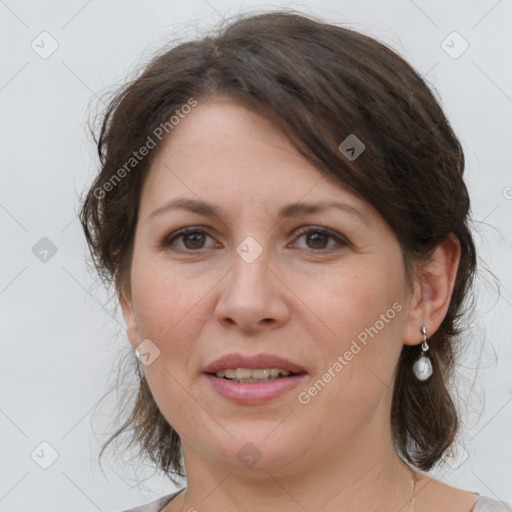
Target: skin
{"x":303,"y":298}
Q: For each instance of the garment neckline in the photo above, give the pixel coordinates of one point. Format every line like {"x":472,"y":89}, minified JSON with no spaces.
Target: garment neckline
{"x":176,"y":494}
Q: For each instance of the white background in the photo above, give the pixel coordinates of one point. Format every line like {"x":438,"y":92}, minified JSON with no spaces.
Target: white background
{"x":60,"y":345}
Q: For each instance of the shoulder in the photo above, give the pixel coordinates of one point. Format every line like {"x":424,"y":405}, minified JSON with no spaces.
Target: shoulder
{"x":154,"y":506}
{"x":485,"y":504}
{"x":437,"y":495}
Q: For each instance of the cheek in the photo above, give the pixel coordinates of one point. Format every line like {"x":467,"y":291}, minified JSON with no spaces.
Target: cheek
{"x":168,"y":303}
{"x":365,"y":311}
{"x":169,"y":312}
{"x":364,"y":304}
{"x":356,"y":380}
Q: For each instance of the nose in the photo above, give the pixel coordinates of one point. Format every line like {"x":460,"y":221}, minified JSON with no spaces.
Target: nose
{"x":253,"y":297}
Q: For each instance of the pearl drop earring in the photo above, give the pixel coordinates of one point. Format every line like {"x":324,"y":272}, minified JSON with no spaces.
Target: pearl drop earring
{"x":423,"y":366}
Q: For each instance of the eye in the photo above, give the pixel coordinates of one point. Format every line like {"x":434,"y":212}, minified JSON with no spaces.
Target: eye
{"x":318,"y":239}
{"x":193,"y":239}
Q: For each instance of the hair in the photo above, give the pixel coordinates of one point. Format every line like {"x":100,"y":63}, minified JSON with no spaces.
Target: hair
{"x":319,"y":83}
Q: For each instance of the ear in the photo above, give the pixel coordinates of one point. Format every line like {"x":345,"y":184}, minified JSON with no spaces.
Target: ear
{"x":433,"y":289}
{"x":125,"y":299}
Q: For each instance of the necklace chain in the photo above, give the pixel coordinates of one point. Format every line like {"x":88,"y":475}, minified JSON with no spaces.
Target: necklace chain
{"x":413,"y":494}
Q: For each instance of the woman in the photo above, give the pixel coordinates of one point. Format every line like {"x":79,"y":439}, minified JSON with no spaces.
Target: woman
{"x":282,"y":210}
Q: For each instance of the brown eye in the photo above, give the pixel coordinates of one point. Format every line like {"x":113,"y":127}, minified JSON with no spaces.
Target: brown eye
{"x":192,"y":240}
{"x":318,"y":239}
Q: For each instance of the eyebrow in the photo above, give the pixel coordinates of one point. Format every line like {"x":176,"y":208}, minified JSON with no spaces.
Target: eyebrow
{"x":289,"y":210}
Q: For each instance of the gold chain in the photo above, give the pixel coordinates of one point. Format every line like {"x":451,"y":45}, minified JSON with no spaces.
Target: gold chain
{"x":413,"y":492}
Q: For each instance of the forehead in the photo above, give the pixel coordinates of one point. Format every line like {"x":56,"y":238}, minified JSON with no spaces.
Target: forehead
{"x":225,"y":154}
{"x":219,"y":129}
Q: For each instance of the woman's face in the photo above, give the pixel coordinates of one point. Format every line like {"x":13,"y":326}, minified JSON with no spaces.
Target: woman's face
{"x":322,"y":288}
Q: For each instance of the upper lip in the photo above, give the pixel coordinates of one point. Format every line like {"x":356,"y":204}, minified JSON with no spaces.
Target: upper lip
{"x":252,"y":362}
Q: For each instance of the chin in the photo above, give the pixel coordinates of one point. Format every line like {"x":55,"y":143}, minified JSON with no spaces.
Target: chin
{"x":258,"y":449}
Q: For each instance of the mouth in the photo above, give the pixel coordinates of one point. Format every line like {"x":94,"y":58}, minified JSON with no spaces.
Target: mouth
{"x":253,"y":379}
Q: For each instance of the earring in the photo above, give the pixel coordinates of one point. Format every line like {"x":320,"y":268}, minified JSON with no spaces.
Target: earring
{"x":423,"y":366}
{"x":139,"y":366}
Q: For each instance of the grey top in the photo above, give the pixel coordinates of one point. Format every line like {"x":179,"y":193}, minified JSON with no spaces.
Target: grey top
{"x":483,"y":504}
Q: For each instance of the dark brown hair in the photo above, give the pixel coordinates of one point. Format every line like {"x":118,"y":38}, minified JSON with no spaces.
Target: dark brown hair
{"x":319,"y":83}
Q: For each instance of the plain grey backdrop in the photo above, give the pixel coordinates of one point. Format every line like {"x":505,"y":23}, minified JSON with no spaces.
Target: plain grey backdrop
{"x":59,"y":343}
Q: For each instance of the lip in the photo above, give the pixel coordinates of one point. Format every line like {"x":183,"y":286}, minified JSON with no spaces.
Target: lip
{"x":252,"y":362}
{"x":256,"y":392}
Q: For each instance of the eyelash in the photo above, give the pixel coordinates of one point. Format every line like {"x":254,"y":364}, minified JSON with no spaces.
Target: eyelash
{"x":341,"y":241}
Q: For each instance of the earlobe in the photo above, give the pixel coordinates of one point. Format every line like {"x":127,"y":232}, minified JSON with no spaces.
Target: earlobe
{"x":433,"y":290}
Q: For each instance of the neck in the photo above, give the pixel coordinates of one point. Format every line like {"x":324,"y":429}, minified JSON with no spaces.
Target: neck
{"x":355,"y":479}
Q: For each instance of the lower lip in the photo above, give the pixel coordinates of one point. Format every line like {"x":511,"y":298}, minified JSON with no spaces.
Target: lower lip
{"x":255,"y":392}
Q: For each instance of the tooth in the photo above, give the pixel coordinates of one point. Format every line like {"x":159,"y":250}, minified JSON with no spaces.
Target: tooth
{"x":261,"y":374}
{"x":243,"y":373}
{"x":256,"y":375}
